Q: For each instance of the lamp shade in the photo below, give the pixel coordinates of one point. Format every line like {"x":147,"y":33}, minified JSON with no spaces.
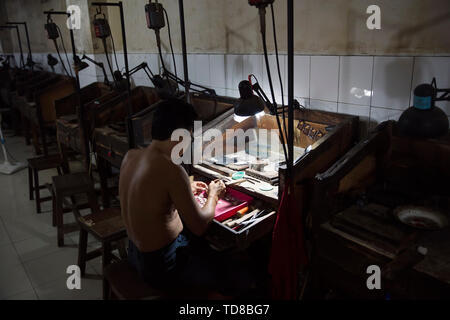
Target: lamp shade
{"x":248,"y":104}
{"x":424,"y":119}
{"x":79,"y":65}
{"x":51,"y":60}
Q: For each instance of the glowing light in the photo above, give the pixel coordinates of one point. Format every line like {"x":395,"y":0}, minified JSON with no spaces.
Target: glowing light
{"x":360,"y":93}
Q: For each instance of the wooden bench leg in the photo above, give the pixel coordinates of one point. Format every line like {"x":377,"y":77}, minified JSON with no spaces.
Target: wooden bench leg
{"x":82,"y":251}
{"x":30,"y":182}
{"x":37,"y":190}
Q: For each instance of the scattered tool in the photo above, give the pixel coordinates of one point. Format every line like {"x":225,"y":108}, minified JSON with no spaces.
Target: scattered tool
{"x":234,"y":223}
{"x":252,"y":221}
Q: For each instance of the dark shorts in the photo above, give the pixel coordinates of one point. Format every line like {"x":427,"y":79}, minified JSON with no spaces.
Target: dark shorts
{"x":188,"y":262}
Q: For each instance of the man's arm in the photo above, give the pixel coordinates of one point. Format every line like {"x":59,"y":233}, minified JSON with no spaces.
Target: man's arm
{"x":197,"y":219}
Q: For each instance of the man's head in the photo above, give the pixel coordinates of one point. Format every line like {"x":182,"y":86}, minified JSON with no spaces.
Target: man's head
{"x":171,"y":115}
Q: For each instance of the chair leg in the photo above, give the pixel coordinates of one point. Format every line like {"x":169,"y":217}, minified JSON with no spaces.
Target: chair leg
{"x":102,"y":170}
{"x":59,"y":220}
{"x":122,"y":250}
{"x":35,"y":140}
{"x":82,"y":251}
{"x":106,"y":260}
{"x":107,"y":292}
{"x":54,"y":208}
{"x":37,"y":190}
{"x":65,"y":165}
{"x":26,"y":130}
{"x":42,"y":133}
{"x":30,"y":182}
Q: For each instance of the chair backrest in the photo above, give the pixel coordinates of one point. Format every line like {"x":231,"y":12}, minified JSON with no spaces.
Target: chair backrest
{"x":92,"y":202}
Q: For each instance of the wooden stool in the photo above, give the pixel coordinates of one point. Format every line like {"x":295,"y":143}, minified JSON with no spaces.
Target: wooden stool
{"x":124,"y":283}
{"x":107,"y":227}
{"x":62,"y":187}
{"x":39,"y":164}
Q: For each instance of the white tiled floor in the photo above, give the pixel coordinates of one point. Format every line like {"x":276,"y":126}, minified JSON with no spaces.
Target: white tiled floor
{"x":31,"y":264}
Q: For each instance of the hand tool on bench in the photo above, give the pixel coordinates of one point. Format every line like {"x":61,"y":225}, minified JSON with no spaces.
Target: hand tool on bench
{"x":234,"y":223}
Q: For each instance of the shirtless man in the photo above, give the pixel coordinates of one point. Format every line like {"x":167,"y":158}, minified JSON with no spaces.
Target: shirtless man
{"x":157,"y":201}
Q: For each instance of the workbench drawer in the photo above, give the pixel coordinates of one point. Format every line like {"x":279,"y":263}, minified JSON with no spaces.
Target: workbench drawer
{"x":223,"y":237}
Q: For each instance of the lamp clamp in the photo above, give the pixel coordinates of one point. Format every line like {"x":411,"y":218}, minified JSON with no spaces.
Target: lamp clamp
{"x":101,"y":26}
{"x":154,"y":13}
{"x":51,"y":28}
{"x":260,"y":3}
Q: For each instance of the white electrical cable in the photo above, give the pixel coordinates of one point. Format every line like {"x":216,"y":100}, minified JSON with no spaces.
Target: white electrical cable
{"x":9,"y":166}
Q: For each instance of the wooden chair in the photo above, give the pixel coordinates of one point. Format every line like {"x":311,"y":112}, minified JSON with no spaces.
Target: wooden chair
{"x":124,"y":283}
{"x":35,"y":165}
{"x":107,"y":227}
{"x":63,"y":187}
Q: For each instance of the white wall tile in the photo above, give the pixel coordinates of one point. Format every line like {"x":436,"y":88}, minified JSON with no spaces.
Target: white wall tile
{"x":192,"y":67}
{"x":323,"y":105}
{"x":198,"y":68}
{"x":120,"y":62}
{"x":221,"y":91}
{"x":324,"y":77}
{"x":355,"y":80}
{"x":92,"y":69}
{"x":234,"y":65}
{"x":275,"y":78}
{"x":303,"y":102}
{"x":180,"y":66}
{"x":353,"y":109}
{"x":217,"y":72}
{"x":363,"y":112}
{"x":253,"y":64}
{"x":232,"y":93}
{"x":101,"y":57}
{"x":167,"y":58}
{"x":86,"y":80}
{"x":143,"y":82}
{"x":378,"y":115}
{"x":202,"y":69}
{"x":301,"y":76}
{"x":392,"y":82}
{"x":427,"y":68}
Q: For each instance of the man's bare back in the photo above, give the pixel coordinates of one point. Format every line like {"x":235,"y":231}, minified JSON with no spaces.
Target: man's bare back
{"x":154,"y":192}
{"x":148,"y":213}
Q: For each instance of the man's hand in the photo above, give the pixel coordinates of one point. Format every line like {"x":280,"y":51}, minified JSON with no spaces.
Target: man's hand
{"x":198,"y":187}
{"x":217,"y":188}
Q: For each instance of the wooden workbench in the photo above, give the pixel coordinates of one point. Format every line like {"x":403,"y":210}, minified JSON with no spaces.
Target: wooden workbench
{"x":356,"y":227}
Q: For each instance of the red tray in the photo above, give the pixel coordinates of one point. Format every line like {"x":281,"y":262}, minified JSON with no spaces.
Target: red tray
{"x":226,"y":209}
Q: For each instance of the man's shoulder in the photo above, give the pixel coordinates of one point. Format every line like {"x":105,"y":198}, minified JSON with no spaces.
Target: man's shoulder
{"x":130,"y":156}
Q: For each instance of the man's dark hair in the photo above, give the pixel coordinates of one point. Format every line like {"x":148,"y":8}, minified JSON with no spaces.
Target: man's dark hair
{"x":170,"y":115}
